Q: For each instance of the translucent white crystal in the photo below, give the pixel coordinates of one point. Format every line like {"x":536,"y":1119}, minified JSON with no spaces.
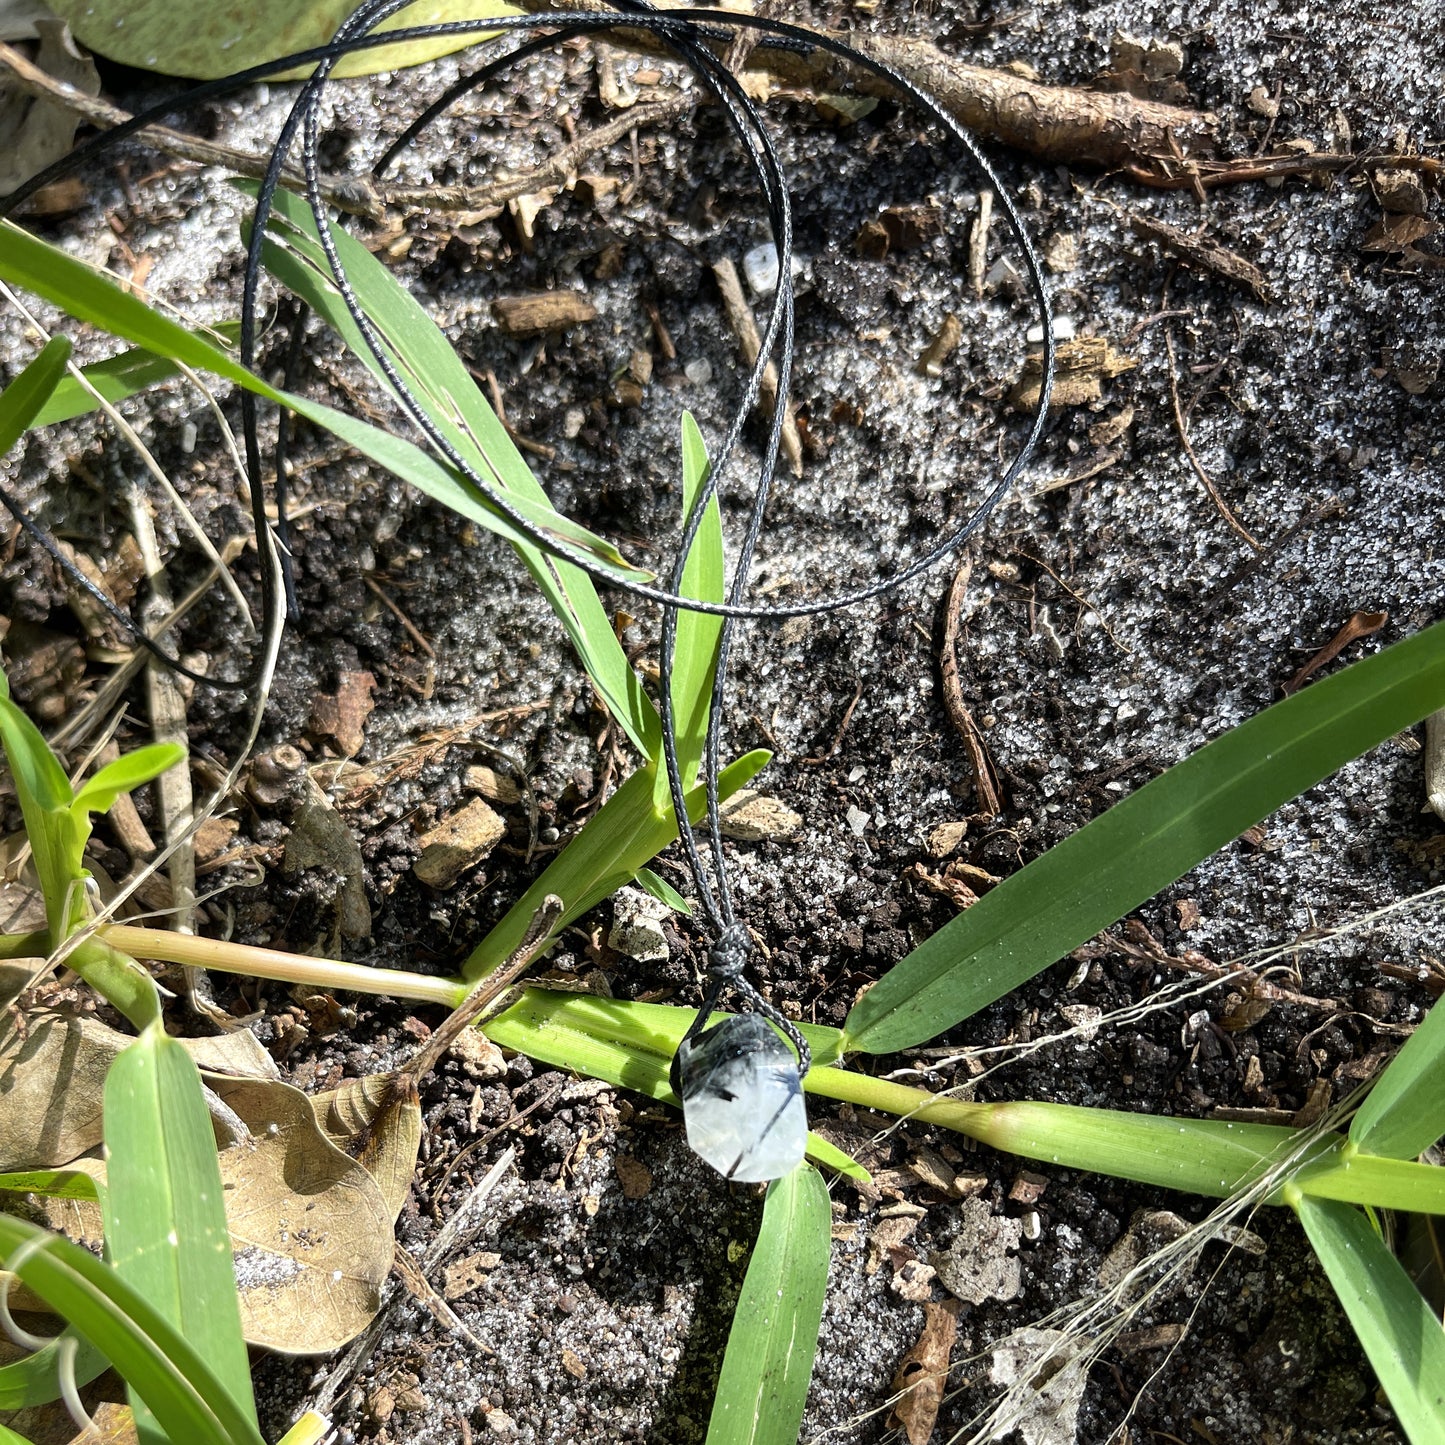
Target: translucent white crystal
{"x":742,"y":1100}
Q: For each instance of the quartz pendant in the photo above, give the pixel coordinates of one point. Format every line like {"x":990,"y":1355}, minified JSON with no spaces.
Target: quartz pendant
{"x":742,"y":1099}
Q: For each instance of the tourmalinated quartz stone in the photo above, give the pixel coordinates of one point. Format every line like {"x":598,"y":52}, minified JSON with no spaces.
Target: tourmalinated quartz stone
{"x":742,"y":1100}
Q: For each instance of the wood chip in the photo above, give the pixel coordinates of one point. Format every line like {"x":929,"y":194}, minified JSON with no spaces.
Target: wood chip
{"x":459,"y":842}
{"x":465,"y":1275}
{"x":1081,"y":367}
{"x":542,"y":311}
{"x":943,"y":345}
{"x":752,"y":817}
{"x":491,"y":785}
{"x":341,"y":717}
{"x":634,"y":1176}
{"x":945,"y":838}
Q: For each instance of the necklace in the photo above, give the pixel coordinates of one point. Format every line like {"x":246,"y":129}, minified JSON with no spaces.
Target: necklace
{"x":739,"y":1079}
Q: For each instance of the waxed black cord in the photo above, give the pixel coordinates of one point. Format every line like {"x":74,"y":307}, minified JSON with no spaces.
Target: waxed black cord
{"x":682,"y":34}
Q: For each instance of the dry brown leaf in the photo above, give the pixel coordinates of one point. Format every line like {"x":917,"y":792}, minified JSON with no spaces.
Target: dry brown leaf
{"x":311,"y":1229}
{"x":50,"y":1089}
{"x":50,"y":1086}
{"x":389,"y":1119}
{"x":341,"y":717}
{"x":923,"y":1374}
{"x":33,"y":133}
{"x":110,"y":1424}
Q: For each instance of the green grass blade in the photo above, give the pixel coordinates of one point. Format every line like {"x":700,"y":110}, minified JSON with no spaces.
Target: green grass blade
{"x":116,"y":378}
{"x":662,"y":890}
{"x":125,"y":775}
{"x":1145,"y":842}
{"x":51,"y":1184}
{"x":165,"y":1218}
{"x":23,"y":399}
{"x":703,"y":577}
{"x":91,"y":297}
{"x":439,"y":380}
{"x":1211,"y":1157}
{"x":1399,"y":1332}
{"x":12,"y":1437}
{"x":150,"y":1354}
{"x":56,"y":841}
{"x":1382,"y":1183}
{"x":35,"y":1379}
{"x":1405,"y":1111}
{"x":628,"y":831}
{"x":774,"y":1337}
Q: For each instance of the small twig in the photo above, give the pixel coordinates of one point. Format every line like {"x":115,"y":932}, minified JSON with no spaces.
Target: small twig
{"x":978,"y":241}
{"x":1206,"y":175}
{"x":354,"y":194}
{"x":985,"y":788}
{"x":410,"y":627}
{"x":1223,"y":507}
{"x":745,"y":328}
{"x":174,"y":799}
{"x":538,"y":449}
{"x":1077,"y":596}
{"x":557,"y":170}
{"x":1360,"y":624}
{"x":1330,"y":508}
{"x":837,"y":742}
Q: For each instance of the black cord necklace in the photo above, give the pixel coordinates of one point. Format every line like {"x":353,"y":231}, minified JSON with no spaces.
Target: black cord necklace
{"x":739,"y":1082}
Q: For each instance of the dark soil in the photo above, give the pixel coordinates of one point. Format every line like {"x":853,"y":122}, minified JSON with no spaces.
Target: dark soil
{"x":1113,"y":624}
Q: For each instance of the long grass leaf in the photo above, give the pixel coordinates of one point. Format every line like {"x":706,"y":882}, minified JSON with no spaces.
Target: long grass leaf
{"x":1405,"y":1112}
{"x":703,"y":577}
{"x":436,"y":376}
{"x":1145,"y":842}
{"x":628,"y":831}
{"x":774,"y":1336}
{"x":34,"y":1379}
{"x":91,"y":297}
{"x":1399,"y":1331}
{"x":52,"y":1184}
{"x":23,"y":399}
{"x":116,"y":378}
{"x":1382,"y":1183}
{"x":150,"y":1353}
{"x":165,"y":1218}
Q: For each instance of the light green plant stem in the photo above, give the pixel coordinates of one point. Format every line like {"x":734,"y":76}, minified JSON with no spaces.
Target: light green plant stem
{"x":271,"y":963}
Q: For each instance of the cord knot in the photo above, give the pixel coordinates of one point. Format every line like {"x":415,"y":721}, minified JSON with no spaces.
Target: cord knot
{"x":728,"y":957}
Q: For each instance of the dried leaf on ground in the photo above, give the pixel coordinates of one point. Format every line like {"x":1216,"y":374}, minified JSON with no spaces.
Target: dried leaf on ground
{"x":50,"y":1088}
{"x":340,"y":717}
{"x":923,"y":1374}
{"x":1201,"y":251}
{"x":387,"y":1117}
{"x":311,"y":1229}
{"x":33,"y":133}
{"x":1052,"y":1368}
{"x":320,"y":839}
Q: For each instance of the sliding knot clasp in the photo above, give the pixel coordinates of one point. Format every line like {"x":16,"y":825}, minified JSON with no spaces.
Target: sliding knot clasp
{"x":728,"y":957}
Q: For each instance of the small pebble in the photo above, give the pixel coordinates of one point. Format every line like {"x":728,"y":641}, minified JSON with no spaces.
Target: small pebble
{"x":698,"y":372}
{"x":188,"y":437}
{"x":760,"y":266}
{"x":1063,"y":331}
